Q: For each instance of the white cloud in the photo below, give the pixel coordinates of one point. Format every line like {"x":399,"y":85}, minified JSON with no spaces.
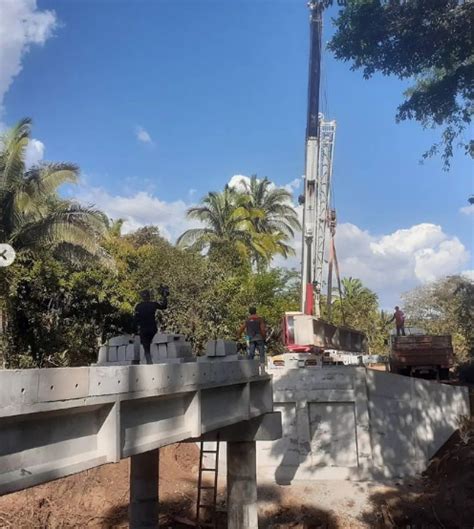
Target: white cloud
{"x":394,"y":263}
{"x":34,"y":152}
{"x":142,"y":135}
{"x":469,"y":274}
{"x":21,"y":25}
{"x":293,"y":186}
{"x":237,"y":181}
{"x":468,"y":210}
{"x":141,"y":209}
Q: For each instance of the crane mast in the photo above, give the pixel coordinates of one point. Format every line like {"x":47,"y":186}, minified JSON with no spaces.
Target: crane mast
{"x":304,"y":331}
{"x":320,"y":136}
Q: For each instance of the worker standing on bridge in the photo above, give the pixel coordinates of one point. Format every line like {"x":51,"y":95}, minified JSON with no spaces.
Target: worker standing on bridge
{"x":145,"y":318}
{"x":399,"y":318}
{"x":256,"y":332}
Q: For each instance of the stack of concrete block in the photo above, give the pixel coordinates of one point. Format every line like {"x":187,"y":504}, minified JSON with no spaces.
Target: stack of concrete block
{"x":119,"y":350}
{"x":170,"y":348}
{"x":220,"y":350}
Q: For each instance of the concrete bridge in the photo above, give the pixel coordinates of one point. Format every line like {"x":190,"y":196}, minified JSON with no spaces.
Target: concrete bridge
{"x":56,"y":422}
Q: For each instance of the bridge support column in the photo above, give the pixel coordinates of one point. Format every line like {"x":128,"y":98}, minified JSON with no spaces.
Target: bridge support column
{"x":143,"y":508}
{"x":242,"y":485}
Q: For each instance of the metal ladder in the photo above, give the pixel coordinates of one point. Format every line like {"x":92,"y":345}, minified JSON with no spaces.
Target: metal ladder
{"x":211,"y":469}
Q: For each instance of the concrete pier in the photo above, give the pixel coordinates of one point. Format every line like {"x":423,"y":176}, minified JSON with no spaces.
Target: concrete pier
{"x":143,"y":508}
{"x":242,"y":485}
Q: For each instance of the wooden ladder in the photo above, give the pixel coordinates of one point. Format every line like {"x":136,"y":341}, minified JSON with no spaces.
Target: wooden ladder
{"x":210,"y":468}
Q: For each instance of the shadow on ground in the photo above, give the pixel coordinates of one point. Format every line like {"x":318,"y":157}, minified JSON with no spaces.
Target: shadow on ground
{"x":279,"y":514}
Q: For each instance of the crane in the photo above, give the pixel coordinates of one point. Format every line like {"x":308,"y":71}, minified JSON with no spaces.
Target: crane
{"x":305,"y":331}
{"x":320,"y":136}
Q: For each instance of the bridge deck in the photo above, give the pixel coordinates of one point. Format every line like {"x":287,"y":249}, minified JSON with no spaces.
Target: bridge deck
{"x":55,"y":422}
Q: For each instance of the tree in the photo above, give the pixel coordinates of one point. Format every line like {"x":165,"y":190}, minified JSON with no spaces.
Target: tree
{"x":32,"y":216}
{"x":252,"y":223}
{"x":223,"y":229}
{"x":445,"y":307}
{"x":358,"y":308}
{"x":430,"y":41}
{"x":270,"y":212}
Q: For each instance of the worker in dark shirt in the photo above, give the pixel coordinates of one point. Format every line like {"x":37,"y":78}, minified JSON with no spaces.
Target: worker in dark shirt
{"x":399,"y":319}
{"x":255,"y":330}
{"x":145,"y":318}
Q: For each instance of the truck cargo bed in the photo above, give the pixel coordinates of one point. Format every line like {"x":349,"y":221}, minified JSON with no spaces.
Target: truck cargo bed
{"x":416,"y":353}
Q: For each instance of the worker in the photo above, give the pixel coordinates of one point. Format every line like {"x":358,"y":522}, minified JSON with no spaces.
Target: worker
{"x":145,"y":319}
{"x":399,"y":318}
{"x":255,"y":330}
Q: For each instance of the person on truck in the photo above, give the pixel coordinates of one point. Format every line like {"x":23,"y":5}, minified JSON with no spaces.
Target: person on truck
{"x":256,"y":332}
{"x":145,"y":318}
{"x":399,"y":319}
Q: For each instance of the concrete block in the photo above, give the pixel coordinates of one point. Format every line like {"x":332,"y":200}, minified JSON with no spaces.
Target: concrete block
{"x":122,"y":353}
{"x":225,"y":348}
{"x":211,"y":348}
{"x":123,"y":339}
{"x":63,"y":383}
{"x":221,"y":348}
{"x":102,"y":355}
{"x":179,"y":350}
{"x":166,"y":338}
{"x":112,"y":354}
{"x":130,"y":352}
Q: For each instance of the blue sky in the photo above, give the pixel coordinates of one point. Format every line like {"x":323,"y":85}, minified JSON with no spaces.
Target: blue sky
{"x":218,"y":88}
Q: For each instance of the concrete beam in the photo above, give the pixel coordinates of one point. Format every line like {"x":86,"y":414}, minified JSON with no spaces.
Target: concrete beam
{"x":267,"y":427}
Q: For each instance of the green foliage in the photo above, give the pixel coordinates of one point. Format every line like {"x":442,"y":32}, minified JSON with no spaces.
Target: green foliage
{"x":252,"y":223}
{"x":59,"y":314}
{"x":32,"y":216}
{"x":445,"y":307}
{"x":430,"y":41}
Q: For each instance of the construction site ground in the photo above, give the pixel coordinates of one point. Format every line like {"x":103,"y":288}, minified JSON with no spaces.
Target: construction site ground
{"x":442,"y":498}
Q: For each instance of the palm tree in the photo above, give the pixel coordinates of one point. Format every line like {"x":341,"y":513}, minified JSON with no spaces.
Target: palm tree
{"x":354,"y":289}
{"x":256,"y":222}
{"x":275,"y":204}
{"x":32,"y":216}
{"x":223,"y":227}
{"x":270,"y":211}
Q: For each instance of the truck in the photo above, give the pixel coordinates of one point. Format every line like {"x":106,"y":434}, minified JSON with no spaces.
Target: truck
{"x":421,"y":355}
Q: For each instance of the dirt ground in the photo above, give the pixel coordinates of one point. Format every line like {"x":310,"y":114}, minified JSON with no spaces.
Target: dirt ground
{"x":98,"y":499}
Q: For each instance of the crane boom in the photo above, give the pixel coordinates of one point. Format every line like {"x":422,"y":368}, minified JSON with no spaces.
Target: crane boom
{"x":311,"y":155}
{"x":320,"y":136}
